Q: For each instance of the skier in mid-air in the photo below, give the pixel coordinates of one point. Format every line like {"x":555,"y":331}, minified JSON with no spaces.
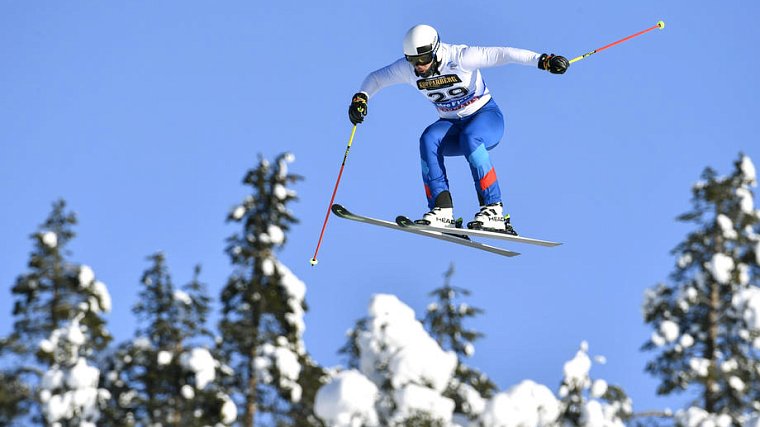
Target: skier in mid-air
{"x":470,"y":122}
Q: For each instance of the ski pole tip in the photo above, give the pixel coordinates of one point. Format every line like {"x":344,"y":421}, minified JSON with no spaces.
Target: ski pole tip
{"x":661,"y":24}
{"x":313,"y":262}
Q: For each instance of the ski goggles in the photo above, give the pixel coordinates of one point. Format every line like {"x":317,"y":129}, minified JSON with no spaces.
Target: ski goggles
{"x":423,"y":59}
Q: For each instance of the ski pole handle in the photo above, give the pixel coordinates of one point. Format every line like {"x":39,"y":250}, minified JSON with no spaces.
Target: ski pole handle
{"x":660,"y":25}
{"x":313,"y":261}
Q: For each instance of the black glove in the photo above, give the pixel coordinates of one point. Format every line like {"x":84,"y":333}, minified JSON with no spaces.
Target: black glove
{"x":358,"y":108}
{"x":555,"y":64}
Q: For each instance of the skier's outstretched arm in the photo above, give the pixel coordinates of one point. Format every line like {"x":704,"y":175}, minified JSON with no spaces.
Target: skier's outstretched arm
{"x":474,"y":57}
{"x":373,"y":83}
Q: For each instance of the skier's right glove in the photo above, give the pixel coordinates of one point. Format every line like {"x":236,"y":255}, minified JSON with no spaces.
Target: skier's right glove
{"x":358,"y":108}
{"x":555,"y":64}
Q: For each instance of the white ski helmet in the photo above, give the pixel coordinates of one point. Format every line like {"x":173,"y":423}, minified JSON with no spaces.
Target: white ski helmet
{"x":420,"y":44}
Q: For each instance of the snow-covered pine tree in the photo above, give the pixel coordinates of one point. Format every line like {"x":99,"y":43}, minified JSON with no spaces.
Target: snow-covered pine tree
{"x":467,"y":388}
{"x":263,"y":306}
{"x":587,"y":402}
{"x":69,"y":390}
{"x":400,"y":376}
{"x":196,"y":304}
{"x":57,"y":325}
{"x":167,"y":375}
{"x":707,"y":321}
{"x":446,"y":315}
{"x":445,"y":319}
{"x":14,"y":396}
{"x":350,"y":349}
{"x":142,"y":394}
{"x":210,"y":402}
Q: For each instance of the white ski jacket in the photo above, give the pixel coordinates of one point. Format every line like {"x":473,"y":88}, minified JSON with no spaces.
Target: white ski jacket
{"x":458,"y":90}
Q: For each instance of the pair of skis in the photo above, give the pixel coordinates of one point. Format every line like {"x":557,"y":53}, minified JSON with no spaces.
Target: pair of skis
{"x":461,"y":236}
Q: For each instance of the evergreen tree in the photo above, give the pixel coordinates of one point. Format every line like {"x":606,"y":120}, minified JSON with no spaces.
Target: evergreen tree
{"x":166,"y":375}
{"x":69,"y":390}
{"x":193,"y":312}
{"x":400,"y":375}
{"x":263,"y":305}
{"x":585,"y":402}
{"x":351,"y":348}
{"x":445,"y":320}
{"x":14,"y":396}
{"x":53,"y":297}
{"x":706,"y":326}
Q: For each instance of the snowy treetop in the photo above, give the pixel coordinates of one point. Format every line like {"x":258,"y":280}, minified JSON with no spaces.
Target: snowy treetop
{"x":404,"y":373}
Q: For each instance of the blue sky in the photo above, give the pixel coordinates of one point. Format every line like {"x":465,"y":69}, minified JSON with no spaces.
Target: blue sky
{"x":145,"y":116}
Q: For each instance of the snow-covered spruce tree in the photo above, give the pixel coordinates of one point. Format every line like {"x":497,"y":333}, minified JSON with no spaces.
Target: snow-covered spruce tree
{"x":707,"y":321}
{"x":69,"y":389}
{"x":445,"y":319}
{"x":167,"y":375}
{"x":57,"y":327}
{"x":400,"y":376}
{"x":263,"y":306}
{"x":371,"y":348}
{"x":587,"y":402}
{"x":14,"y":396}
{"x":582,"y":402}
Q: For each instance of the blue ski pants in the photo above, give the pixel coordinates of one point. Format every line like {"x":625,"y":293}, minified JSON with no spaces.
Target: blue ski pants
{"x":471,"y":137}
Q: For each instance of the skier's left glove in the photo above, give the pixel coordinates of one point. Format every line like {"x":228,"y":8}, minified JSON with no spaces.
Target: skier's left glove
{"x":555,"y":64}
{"x":358,"y":108}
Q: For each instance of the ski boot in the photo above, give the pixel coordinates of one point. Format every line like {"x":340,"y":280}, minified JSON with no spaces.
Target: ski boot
{"x":442,"y":214}
{"x":491,"y":218}
{"x":439,"y":217}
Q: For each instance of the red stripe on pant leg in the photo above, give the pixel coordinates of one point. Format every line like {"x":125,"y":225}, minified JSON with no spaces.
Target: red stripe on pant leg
{"x":428,"y":193}
{"x":488,"y":180}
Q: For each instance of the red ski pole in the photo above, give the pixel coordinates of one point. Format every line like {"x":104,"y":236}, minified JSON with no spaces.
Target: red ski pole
{"x":659,"y":25}
{"x":313,"y":261}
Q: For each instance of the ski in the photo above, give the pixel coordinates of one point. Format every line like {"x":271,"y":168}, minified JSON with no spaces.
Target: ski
{"x":408,"y":224}
{"x":342,"y":212}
